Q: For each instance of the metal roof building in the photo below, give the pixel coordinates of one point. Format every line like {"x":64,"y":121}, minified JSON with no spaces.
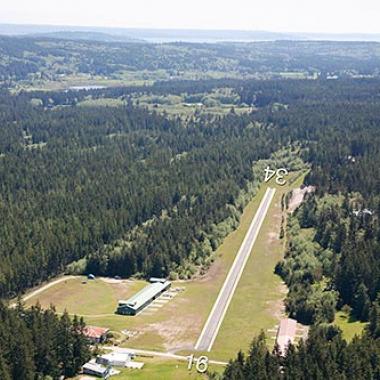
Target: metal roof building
{"x":142,"y":298}
{"x":157,"y":279}
{"x":114,"y":358}
{"x":94,"y":369}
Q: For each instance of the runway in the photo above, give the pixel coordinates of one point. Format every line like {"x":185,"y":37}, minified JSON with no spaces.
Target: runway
{"x":215,"y":319}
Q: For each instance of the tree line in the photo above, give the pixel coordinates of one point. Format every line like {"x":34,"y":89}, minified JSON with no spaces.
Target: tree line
{"x":324,"y":355}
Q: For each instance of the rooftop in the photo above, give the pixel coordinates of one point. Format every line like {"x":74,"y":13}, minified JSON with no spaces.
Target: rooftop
{"x":157,"y":279}
{"x":116,"y":356}
{"x":145,"y":294}
{"x":94,"y":332}
{"x":98,"y":368}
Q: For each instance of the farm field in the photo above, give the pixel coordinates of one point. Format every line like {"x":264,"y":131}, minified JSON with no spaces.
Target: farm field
{"x":80,"y":79}
{"x":176,"y":325}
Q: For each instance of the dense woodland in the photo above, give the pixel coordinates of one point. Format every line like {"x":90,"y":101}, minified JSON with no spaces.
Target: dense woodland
{"x":105,"y":171}
{"x":338,"y":264}
{"x":112,"y":184}
{"x":36,"y":58}
{"x":37,"y":344}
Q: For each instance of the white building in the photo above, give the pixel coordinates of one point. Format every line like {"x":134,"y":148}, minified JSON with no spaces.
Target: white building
{"x":114,"y":358}
{"x":95,"y":369}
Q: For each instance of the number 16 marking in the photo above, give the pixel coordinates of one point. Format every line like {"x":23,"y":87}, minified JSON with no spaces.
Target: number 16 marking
{"x":201,"y":363}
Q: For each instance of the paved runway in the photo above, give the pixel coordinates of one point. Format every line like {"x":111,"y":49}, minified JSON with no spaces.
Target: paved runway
{"x":211,"y":328}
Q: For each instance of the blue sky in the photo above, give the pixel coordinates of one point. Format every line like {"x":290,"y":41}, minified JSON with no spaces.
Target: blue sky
{"x":329,"y":16}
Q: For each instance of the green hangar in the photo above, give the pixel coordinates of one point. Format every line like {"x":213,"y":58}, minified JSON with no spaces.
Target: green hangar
{"x":143,"y":298}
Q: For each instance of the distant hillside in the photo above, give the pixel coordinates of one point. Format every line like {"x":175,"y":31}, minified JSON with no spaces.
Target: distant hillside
{"x":86,"y":36}
{"x":105,"y":34}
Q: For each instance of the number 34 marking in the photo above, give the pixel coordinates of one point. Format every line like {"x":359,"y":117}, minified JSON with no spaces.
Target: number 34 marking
{"x":280,"y":174}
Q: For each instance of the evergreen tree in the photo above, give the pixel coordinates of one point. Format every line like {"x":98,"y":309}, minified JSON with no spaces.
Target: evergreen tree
{"x":374,"y":319}
{"x":361,"y":303}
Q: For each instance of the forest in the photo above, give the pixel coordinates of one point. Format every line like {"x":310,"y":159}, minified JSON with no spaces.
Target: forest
{"x":134,"y":192}
{"x":39,"y":344}
{"x":43,"y":58}
{"x":76,"y":179}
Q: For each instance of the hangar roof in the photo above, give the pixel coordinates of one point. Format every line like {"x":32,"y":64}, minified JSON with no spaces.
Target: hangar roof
{"x":145,"y":294}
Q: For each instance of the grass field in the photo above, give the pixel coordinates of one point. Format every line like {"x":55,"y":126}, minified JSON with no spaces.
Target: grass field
{"x":349,"y":326}
{"x":102,"y":102}
{"x":175,"y":327}
{"x":163,"y":369}
{"x":158,"y":369}
{"x":83,"y":298}
{"x":81,"y":80}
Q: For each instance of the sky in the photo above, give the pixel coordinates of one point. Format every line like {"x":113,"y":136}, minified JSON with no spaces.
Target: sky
{"x":310,"y":16}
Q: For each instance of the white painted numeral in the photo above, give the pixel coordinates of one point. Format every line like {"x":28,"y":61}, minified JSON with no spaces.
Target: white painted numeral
{"x":269,"y":174}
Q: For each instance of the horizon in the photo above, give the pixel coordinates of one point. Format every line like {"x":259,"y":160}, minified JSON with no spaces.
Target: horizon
{"x":191,"y":35}
{"x":93,"y":27}
{"x":291,"y":16}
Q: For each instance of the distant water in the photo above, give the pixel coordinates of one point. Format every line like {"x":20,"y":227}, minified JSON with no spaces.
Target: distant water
{"x":162,"y":40}
{"x":89,"y":87}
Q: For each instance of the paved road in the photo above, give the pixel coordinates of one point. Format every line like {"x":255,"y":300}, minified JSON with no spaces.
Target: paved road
{"x":211,"y":328}
{"x":167,"y":355}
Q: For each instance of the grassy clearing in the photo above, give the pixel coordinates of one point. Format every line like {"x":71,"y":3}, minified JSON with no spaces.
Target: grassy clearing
{"x":159,"y":369}
{"x":84,"y":298}
{"x":349,"y":326}
{"x":180,"y":109}
{"x":102,"y":102}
